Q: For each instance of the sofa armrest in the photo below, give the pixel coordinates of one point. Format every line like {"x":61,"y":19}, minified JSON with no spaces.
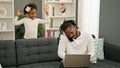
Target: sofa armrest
{"x":112,"y":52}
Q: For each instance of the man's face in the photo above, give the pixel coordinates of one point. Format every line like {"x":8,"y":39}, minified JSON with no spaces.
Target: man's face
{"x":71,"y":32}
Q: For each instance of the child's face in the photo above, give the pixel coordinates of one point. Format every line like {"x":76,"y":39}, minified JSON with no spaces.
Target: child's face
{"x":32,"y":14}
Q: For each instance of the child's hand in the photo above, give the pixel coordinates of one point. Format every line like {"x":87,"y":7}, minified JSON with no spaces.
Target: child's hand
{"x":46,"y":9}
{"x":19,"y":12}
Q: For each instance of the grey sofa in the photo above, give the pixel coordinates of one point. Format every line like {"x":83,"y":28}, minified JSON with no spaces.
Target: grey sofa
{"x":42,"y":53}
{"x":7,"y":54}
{"x":29,"y":53}
{"x":112,"y":57}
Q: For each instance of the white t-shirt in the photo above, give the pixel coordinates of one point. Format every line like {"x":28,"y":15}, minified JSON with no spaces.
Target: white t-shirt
{"x":82,"y":45}
{"x":30,"y":26}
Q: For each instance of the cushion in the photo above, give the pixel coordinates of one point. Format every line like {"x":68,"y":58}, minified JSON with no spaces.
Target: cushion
{"x":36,"y":50}
{"x":105,"y":64}
{"x":54,"y":64}
{"x":99,"y":48}
{"x":7,"y":53}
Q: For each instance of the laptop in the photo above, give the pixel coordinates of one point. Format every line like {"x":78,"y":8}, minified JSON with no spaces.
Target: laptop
{"x":76,"y":61}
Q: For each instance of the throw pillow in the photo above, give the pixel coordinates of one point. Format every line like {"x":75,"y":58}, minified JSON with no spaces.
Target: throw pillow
{"x":99,"y":43}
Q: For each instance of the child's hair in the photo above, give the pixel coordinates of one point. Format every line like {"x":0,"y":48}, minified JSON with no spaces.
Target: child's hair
{"x":29,"y":7}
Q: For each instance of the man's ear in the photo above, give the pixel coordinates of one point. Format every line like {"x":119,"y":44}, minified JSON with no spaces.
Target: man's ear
{"x":76,"y":27}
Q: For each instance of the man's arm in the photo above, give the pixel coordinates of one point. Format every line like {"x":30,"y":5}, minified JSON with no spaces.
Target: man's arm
{"x":91,"y":50}
{"x":62,"y":46}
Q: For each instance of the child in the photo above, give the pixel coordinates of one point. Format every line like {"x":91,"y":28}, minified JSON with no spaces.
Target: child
{"x":30,"y":22}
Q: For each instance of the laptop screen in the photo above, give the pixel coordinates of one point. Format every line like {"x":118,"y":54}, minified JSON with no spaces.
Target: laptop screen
{"x":77,"y":60}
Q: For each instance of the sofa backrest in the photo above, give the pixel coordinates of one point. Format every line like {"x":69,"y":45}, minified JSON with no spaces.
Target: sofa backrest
{"x":36,"y":50}
{"x":7,"y":53}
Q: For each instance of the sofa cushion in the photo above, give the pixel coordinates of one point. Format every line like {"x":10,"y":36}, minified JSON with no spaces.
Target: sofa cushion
{"x":36,"y":50}
{"x":41,"y":65}
{"x":7,"y":53}
{"x":99,"y":44}
{"x":10,"y":67}
{"x":105,"y":64}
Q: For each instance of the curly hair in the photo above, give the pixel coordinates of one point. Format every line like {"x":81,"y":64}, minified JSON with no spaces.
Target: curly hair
{"x":67,"y":24}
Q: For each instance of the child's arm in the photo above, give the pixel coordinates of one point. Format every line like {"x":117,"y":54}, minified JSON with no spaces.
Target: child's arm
{"x":41,"y":21}
{"x":16,"y":22}
{"x":46,"y":10}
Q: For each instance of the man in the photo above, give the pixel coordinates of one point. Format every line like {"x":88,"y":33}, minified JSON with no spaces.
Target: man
{"x":72,"y":41}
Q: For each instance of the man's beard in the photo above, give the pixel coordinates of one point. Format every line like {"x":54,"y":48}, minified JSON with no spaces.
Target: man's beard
{"x":76,"y":34}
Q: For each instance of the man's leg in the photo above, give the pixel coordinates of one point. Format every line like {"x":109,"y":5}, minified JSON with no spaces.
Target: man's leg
{"x":61,"y":65}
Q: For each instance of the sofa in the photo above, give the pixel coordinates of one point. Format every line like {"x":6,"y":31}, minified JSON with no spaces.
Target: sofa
{"x":42,"y":53}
